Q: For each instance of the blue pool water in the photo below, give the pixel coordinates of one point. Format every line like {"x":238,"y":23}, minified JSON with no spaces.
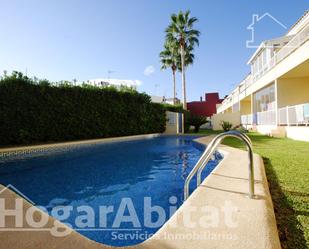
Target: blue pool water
{"x":104,"y":174}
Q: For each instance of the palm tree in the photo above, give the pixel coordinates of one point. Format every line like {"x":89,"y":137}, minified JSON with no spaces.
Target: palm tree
{"x":189,"y":58}
{"x":169,"y":59}
{"x":181,"y":32}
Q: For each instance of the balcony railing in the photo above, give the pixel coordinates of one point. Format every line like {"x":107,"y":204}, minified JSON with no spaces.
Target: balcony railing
{"x":246,"y":119}
{"x":294,"y":115}
{"x":266,"y":118}
{"x":286,"y":50}
{"x":234,"y":95}
{"x":289,"y":115}
{"x":245,"y":83}
{"x":259,"y":118}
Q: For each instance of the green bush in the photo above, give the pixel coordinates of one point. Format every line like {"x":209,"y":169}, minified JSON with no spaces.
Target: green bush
{"x":197,"y":121}
{"x":187,"y":115}
{"x":226,"y":126}
{"x":38,"y":111}
{"x":174,"y":108}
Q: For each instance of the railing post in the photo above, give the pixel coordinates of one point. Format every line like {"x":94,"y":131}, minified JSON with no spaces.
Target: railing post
{"x":287,"y":116}
{"x":276,"y":103}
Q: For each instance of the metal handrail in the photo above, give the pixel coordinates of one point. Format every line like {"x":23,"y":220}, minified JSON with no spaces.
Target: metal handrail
{"x":217,"y":141}
{"x":211,"y":148}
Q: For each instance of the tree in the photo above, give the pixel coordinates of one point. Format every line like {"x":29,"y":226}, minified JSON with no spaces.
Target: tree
{"x":181,"y":32}
{"x":197,"y":121}
{"x":189,"y":58}
{"x":169,"y":57}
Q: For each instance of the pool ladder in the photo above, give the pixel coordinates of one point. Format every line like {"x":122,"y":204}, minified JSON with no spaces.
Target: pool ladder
{"x":210,"y":150}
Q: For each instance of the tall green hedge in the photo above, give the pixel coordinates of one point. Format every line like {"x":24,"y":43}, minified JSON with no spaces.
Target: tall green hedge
{"x":33,"y":112}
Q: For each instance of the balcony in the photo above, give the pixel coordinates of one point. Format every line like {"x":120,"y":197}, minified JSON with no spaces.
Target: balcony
{"x":298,"y":40}
{"x":244,"y":90}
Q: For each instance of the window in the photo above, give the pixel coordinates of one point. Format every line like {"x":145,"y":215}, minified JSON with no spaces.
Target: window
{"x":264,"y":57}
{"x":264,"y":100}
{"x":235,"y":107}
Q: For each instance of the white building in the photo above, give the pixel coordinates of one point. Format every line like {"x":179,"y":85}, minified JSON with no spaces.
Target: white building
{"x":114,"y":82}
{"x":274,"y":97}
{"x":163,"y":100}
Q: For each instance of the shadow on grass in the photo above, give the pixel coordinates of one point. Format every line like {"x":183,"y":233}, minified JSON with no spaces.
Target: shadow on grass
{"x":289,"y":228}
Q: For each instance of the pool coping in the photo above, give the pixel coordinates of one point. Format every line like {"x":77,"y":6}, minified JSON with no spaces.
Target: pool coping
{"x":228,"y":181}
{"x":49,"y":146}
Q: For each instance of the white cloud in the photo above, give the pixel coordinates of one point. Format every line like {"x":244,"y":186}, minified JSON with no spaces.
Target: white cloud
{"x":138,"y":82}
{"x":149,"y":70}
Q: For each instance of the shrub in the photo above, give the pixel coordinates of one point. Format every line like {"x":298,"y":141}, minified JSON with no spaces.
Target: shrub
{"x":226,"y":126}
{"x":38,"y":111}
{"x":197,"y":121}
{"x":174,"y":108}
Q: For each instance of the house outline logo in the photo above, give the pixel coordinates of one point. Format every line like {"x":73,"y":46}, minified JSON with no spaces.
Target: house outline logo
{"x":255,"y":19}
{"x":14,"y":189}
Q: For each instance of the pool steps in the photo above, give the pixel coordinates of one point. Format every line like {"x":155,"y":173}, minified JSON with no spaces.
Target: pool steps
{"x":208,"y":153}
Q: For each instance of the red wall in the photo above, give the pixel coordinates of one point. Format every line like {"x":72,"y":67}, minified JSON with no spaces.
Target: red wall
{"x":205,"y":108}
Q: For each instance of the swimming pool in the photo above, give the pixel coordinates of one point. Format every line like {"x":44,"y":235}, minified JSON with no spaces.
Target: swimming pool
{"x":135,"y":172}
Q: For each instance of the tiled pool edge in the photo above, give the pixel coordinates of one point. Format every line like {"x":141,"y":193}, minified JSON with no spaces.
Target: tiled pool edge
{"x":257,"y":228}
{"x":12,"y":151}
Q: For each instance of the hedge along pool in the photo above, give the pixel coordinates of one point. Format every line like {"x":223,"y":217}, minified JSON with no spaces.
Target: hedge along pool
{"x":121,"y":177}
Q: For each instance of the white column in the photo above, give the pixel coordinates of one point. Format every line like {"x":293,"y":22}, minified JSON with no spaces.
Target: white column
{"x":276,"y":101}
{"x":252,"y":114}
{"x":287,"y":116}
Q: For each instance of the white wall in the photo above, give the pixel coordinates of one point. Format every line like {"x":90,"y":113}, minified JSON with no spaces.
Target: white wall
{"x":293,"y":91}
{"x":298,"y":132}
{"x":171,"y":123}
{"x":233,"y":118}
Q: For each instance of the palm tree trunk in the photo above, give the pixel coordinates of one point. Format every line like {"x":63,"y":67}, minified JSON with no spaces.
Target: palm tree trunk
{"x":183,"y":77}
{"x":174,"y":81}
{"x":182,"y":54}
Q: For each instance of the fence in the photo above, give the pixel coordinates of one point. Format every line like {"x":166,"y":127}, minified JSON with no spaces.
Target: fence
{"x":266,"y":118}
{"x":294,"y":115}
{"x":289,"y":115}
{"x":246,"y":119}
{"x":259,"y":118}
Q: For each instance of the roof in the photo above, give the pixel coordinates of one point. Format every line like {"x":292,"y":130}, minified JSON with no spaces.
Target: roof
{"x":157,"y":99}
{"x":267,"y":43}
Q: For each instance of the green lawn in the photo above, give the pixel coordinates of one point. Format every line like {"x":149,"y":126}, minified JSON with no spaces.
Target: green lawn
{"x":287,"y":168}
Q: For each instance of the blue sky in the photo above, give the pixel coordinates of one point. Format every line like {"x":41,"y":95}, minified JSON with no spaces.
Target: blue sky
{"x":63,"y":40}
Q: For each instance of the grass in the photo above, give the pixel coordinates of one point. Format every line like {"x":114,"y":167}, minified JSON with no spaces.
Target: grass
{"x":287,"y":168}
